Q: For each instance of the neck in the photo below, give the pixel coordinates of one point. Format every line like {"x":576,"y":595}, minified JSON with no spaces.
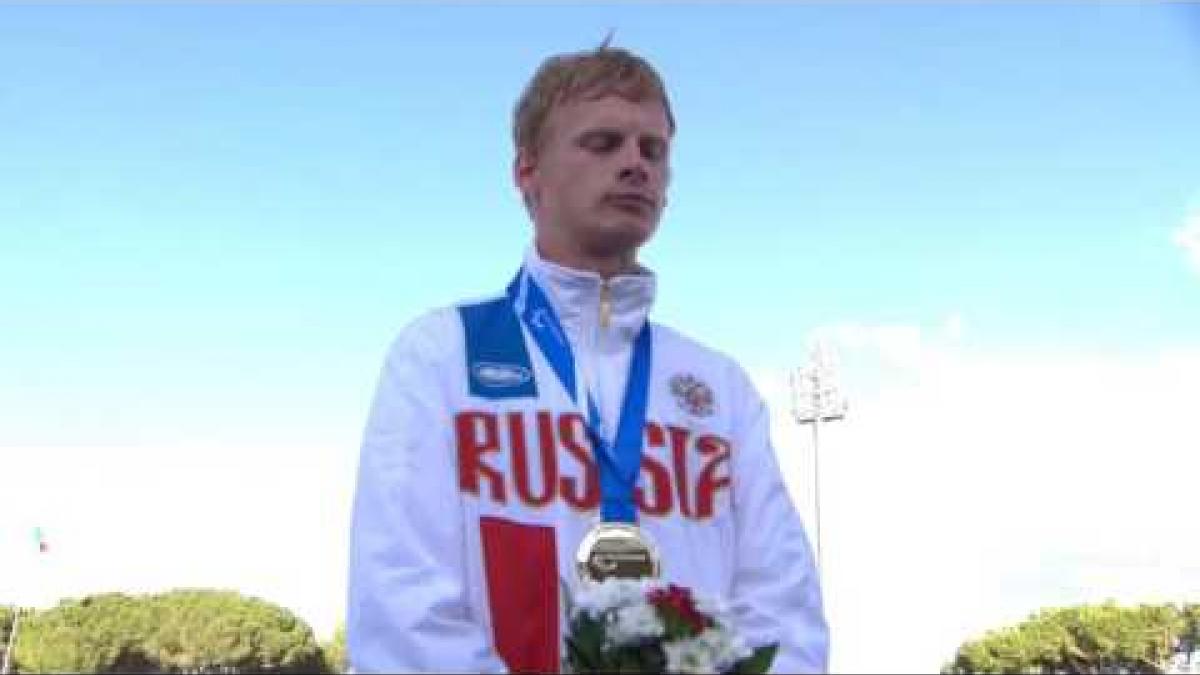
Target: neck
{"x":607,"y":266}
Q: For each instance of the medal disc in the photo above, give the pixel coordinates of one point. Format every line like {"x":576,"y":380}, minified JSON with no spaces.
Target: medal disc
{"x":617,"y":550}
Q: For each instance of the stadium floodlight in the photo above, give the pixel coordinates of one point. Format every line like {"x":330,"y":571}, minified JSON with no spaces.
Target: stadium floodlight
{"x":816,"y":400}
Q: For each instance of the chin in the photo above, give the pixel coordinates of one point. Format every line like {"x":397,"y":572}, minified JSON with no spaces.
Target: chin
{"x":622,"y":236}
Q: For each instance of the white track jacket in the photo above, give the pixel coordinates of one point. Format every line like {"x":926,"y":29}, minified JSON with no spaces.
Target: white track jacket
{"x":469,"y":508}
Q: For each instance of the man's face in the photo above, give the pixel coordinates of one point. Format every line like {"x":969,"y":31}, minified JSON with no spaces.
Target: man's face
{"x":597,"y":185}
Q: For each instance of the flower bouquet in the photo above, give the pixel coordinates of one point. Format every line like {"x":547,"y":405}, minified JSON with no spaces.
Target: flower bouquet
{"x":639,"y":626}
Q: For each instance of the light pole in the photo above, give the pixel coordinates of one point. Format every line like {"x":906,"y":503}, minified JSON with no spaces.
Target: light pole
{"x":816,"y":399}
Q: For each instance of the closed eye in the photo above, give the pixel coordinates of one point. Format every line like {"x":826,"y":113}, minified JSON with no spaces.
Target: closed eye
{"x":601,"y":141}
{"x":654,"y":149}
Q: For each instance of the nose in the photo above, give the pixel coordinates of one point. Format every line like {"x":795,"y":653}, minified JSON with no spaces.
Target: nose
{"x":633,"y":165}
{"x":635,"y":174}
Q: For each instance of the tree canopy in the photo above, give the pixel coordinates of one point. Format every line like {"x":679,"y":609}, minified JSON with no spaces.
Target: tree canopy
{"x":182,"y":631}
{"x":1086,"y":639}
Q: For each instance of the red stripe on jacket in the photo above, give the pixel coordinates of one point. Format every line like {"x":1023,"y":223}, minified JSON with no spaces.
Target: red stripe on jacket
{"x":521,"y":564}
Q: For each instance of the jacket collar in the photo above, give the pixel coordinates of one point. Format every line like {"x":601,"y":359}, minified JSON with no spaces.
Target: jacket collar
{"x":575,"y":295}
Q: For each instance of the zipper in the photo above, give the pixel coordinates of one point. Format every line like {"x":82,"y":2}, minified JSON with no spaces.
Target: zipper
{"x":605,"y":311}
{"x":605,"y":304}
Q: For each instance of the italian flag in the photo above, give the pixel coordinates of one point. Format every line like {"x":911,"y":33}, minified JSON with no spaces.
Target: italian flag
{"x":39,"y":538}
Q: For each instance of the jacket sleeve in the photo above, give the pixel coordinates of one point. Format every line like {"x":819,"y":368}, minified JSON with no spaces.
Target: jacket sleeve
{"x":408,"y":606}
{"x":777,"y":592}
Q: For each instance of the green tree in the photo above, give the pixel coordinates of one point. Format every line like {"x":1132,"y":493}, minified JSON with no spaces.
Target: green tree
{"x":7,"y":616}
{"x":335,"y":650}
{"x":1084,"y":639}
{"x":189,"y":630}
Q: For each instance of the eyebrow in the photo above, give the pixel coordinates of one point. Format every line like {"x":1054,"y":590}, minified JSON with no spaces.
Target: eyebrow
{"x":607,"y":129}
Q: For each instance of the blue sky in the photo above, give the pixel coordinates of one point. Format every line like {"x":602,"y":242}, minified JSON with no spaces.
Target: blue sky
{"x":204,"y":195}
{"x":214,"y":218}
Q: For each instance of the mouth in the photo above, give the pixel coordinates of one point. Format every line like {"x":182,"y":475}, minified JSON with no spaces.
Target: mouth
{"x":631,"y":201}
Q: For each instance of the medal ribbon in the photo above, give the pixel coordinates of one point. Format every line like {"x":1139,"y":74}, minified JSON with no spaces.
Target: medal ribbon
{"x":619,"y":462}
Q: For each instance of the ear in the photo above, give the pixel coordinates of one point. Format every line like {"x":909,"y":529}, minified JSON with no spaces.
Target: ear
{"x":524,"y":169}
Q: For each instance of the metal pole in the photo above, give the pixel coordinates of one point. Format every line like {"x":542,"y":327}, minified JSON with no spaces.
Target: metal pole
{"x":816,"y":399}
{"x":816,"y":423}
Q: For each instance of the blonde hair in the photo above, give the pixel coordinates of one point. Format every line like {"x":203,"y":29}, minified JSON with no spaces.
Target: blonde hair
{"x":584,"y":75}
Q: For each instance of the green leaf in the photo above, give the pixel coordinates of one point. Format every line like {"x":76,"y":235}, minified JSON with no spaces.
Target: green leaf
{"x":585,"y":646}
{"x":628,"y":661}
{"x":578,"y":659}
{"x":653,"y":658}
{"x":757,"y":663}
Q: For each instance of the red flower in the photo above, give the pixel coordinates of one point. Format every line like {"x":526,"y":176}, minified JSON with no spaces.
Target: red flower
{"x":679,"y":601}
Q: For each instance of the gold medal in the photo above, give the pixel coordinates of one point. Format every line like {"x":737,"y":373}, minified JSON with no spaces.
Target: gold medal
{"x":616,"y":550}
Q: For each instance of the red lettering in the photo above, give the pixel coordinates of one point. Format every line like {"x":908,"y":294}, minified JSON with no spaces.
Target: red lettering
{"x":679,"y":446}
{"x":661,"y":480}
{"x":477,"y":433}
{"x":655,"y":475}
{"x":654,"y":436}
{"x":664,"y":480}
{"x":570,"y":429}
{"x":520,"y":458}
{"x":709,"y":482}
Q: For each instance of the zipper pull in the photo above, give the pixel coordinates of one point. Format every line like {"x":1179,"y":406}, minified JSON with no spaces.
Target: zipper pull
{"x":605,"y":304}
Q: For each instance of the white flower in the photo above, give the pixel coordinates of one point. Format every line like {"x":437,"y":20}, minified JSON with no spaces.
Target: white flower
{"x":628,"y":618}
{"x":712,"y":651}
{"x":727,"y":648}
{"x":689,"y":656}
{"x":611,"y":594}
{"x":632,"y":624}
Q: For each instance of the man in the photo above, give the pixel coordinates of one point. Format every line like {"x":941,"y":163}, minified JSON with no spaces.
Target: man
{"x":506,"y":434}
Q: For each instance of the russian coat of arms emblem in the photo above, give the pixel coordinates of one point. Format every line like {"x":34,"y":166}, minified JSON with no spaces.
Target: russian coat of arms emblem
{"x":693,"y":395}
